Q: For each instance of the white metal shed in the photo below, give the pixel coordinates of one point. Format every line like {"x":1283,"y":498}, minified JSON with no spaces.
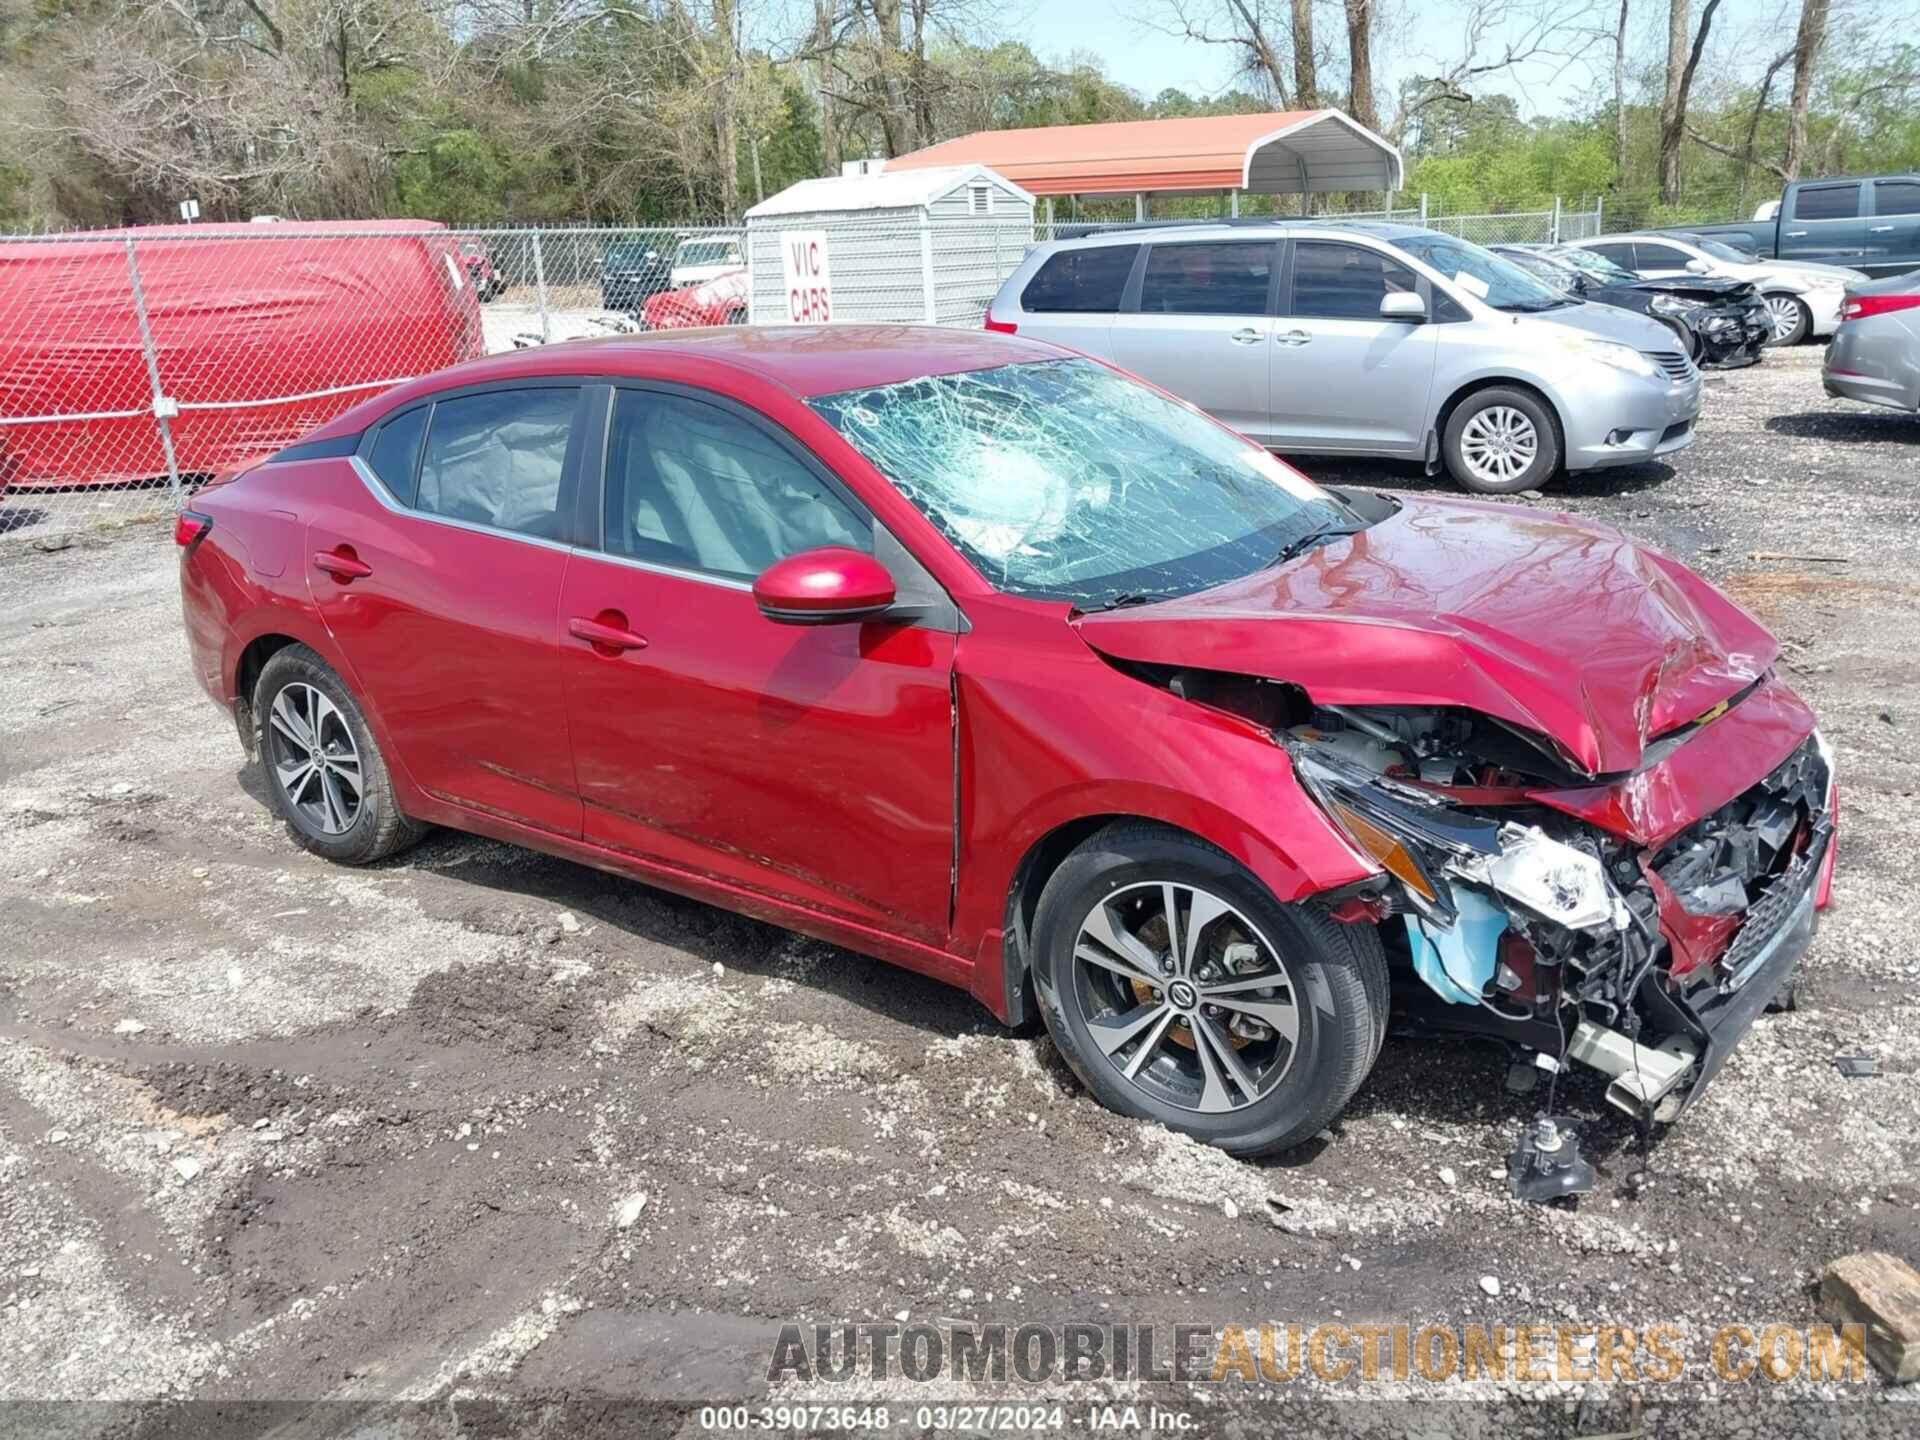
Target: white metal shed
{"x":919,"y":246}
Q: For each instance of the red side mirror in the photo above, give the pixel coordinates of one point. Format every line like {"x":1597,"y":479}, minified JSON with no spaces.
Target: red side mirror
{"x":828,"y":586}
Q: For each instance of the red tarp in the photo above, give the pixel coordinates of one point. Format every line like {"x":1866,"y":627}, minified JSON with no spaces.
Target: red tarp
{"x":283,"y":325}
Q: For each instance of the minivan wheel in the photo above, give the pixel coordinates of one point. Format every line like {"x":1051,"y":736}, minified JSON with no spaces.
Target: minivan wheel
{"x":1500,"y":442}
{"x":323,"y":768}
{"x":1180,"y":991}
{"x":1790,"y":317}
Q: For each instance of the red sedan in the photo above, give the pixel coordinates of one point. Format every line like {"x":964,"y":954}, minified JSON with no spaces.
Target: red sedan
{"x":722,"y":300}
{"x":987,"y":659}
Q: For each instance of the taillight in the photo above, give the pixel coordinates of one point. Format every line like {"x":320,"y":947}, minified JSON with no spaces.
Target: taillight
{"x":190,"y":528}
{"x":1862,"y":307}
{"x":1001,"y":327}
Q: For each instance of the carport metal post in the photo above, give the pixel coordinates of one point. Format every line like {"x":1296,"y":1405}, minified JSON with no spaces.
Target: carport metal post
{"x":540,"y":283}
{"x":1423,"y":209}
{"x":164,"y":407}
{"x":1554,"y":234}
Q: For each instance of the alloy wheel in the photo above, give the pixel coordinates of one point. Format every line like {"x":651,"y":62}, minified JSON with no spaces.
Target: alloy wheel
{"x":1784,"y":312}
{"x":1184,"y":996}
{"x":315,"y":762}
{"x":1498,"y":444}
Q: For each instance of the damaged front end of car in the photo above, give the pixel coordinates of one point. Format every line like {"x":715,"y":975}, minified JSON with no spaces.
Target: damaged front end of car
{"x":1645,"y":961}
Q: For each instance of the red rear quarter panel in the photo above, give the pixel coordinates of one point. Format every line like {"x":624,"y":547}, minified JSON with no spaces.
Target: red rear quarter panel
{"x":246,"y":578}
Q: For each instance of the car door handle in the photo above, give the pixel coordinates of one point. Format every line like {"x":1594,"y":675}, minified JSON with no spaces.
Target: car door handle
{"x":342,"y":564}
{"x":1796,"y":234}
{"x":1246,"y":336}
{"x":1878,"y":229}
{"x":1293,"y":337}
{"x":606,"y":632}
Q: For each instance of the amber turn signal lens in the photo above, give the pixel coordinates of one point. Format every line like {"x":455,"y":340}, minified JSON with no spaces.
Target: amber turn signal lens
{"x":1393,"y":856}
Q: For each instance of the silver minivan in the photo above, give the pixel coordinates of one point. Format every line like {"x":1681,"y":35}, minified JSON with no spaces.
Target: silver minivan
{"x":1366,"y":339}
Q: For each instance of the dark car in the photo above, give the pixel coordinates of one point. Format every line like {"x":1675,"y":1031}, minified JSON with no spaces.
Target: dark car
{"x":635,"y":268}
{"x":1722,"y":323}
{"x":971,"y":653}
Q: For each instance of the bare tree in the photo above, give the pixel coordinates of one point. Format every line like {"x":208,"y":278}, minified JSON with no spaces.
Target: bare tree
{"x":1620,"y":91}
{"x":1497,"y":37}
{"x":1240,"y":26}
{"x":1807,"y":43}
{"x":1360,"y":103}
{"x":1683,"y":62}
{"x":1306,"y":83}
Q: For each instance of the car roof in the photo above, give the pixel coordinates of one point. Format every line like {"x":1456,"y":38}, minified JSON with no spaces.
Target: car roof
{"x":1278,"y":226}
{"x":804,"y":360}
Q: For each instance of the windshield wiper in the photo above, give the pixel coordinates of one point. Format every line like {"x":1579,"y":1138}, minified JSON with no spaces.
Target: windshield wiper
{"x":1300,"y":544}
{"x":1534,"y":307}
{"x":1122,"y":600}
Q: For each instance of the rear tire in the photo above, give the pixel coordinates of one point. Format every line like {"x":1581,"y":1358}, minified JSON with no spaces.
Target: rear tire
{"x":1204,"y":1048}
{"x":1792,"y":320}
{"x":324,"y":770}
{"x":1500,"y":441}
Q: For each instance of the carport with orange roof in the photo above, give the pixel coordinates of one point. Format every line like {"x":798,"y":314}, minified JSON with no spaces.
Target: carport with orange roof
{"x":1288,"y":152}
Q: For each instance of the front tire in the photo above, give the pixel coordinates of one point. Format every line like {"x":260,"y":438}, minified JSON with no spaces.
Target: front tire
{"x":1501,"y":441}
{"x":1792,"y":320}
{"x":1688,"y":339}
{"x":1180,"y":991}
{"x":324,"y":770}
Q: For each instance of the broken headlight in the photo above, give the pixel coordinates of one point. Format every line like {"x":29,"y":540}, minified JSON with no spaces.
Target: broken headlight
{"x":1554,"y":881}
{"x":1422,"y":842}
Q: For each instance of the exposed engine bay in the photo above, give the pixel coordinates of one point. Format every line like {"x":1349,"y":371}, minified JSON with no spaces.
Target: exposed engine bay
{"x":1530,"y":924}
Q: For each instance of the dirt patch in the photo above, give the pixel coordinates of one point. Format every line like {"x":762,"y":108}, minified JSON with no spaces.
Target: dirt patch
{"x":519,"y":1008}
{"x":1773,"y":594}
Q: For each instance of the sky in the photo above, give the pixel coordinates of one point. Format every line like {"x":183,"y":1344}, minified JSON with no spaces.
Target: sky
{"x":1149,"y":59}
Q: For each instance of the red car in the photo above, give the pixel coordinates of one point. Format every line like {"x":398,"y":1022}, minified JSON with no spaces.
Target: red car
{"x":719,"y":301}
{"x":984,"y":658}
{"x":488,"y":283}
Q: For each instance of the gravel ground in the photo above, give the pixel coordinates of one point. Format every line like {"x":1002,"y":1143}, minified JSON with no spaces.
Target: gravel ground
{"x":276,"y":1131}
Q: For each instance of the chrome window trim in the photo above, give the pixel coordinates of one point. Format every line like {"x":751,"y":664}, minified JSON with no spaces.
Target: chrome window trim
{"x":393,"y":507}
{"x":653,"y":567}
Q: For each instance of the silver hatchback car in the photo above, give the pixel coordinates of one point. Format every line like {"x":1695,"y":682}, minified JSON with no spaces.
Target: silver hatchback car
{"x":1366,"y":339}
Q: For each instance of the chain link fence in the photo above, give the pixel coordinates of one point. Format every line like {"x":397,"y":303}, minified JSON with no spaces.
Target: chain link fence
{"x":136,"y":365}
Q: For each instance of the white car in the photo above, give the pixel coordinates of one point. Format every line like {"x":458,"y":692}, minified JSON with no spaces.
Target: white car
{"x":1802,"y":298}
{"x":704,"y":258}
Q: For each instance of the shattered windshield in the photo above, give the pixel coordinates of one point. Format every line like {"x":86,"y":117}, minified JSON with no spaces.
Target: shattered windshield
{"x":1499,"y":283}
{"x":1597,"y":266}
{"x":1061,"y":479}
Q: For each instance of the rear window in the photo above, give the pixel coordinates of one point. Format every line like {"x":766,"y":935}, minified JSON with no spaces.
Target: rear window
{"x":708,"y":252}
{"x":1827,"y":202}
{"x":1896,"y":197}
{"x":1081,"y":281}
{"x":1223,"y":279}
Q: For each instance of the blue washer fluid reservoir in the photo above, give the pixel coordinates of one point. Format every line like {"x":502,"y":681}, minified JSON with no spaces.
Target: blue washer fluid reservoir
{"x":1457,"y":960}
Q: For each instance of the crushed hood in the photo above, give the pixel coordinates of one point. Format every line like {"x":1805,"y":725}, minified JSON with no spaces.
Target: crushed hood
{"x":1558,"y":625}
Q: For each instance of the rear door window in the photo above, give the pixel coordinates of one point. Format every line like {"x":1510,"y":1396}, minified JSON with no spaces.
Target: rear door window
{"x":1081,"y":282}
{"x":1826,"y":202}
{"x":1896,"y":197}
{"x":1345,"y":282}
{"x":1212,"y":279}
{"x":497,"y":459}
{"x":1659,"y":257}
{"x":1620,"y":253}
